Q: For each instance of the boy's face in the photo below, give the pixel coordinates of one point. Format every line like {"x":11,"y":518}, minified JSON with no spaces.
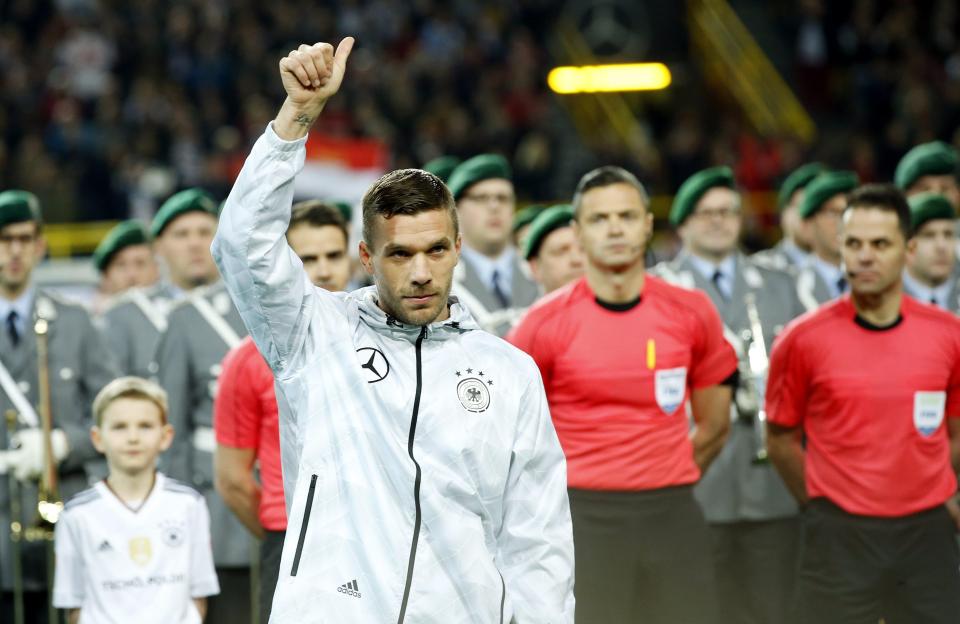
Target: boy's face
{"x":132,"y":435}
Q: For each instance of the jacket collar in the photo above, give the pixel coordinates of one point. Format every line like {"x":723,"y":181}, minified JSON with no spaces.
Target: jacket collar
{"x":460,"y":319}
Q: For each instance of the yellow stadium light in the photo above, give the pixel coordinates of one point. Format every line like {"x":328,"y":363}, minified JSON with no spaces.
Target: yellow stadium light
{"x":609,"y":78}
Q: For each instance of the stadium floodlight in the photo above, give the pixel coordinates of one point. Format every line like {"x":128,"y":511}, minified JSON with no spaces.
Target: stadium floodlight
{"x":609,"y":78}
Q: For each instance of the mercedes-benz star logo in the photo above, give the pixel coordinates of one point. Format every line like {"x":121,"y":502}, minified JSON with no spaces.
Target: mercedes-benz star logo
{"x":374,"y":364}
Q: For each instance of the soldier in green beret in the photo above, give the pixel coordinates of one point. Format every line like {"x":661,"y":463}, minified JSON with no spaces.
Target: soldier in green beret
{"x":124,"y":259}
{"x":78,"y":364}
{"x":552,"y":250}
{"x":442,"y":166}
{"x":931,"y":252}
{"x":930,"y":167}
{"x":753,"y":517}
{"x":189,"y":345}
{"x":182,"y":231}
{"x":489,"y":279}
{"x":522,"y":221}
{"x":793,"y":250}
{"x":825,"y":199}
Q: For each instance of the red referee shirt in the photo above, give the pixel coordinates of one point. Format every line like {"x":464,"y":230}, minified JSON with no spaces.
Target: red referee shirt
{"x":245,"y":416}
{"x":618,"y":381}
{"x":872,"y":404}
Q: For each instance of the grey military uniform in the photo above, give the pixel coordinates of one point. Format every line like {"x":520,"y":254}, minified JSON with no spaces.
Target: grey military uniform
{"x":482,"y":303}
{"x":133,"y":323}
{"x":80,"y":365}
{"x":953,"y":296}
{"x":752,"y":514}
{"x":734,"y":488}
{"x":188,"y":357}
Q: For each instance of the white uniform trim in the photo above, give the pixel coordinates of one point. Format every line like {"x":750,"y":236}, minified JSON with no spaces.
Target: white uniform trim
{"x":219,"y":325}
{"x":28,"y":415}
{"x":156,"y":318}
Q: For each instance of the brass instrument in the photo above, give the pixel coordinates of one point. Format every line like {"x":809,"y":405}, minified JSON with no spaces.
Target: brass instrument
{"x":49,"y":504}
{"x":16,"y":528}
{"x":758,"y":364}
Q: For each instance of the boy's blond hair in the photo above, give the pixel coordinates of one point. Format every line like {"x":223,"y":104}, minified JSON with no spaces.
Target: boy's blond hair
{"x":129,"y":388}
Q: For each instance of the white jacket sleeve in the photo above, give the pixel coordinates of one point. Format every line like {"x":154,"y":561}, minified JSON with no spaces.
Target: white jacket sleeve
{"x":535,"y":542}
{"x":263,"y":275}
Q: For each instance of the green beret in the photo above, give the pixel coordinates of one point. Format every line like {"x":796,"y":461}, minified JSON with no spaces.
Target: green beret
{"x":345,"y":209}
{"x":190,"y":200}
{"x":526,"y":216}
{"x":927,"y":207}
{"x":936,"y":158}
{"x":552,"y":218}
{"x":823,"y":187}
{"x":442,"y":167}
{"x":799,"y":178}
{"x":477,"y":169}
{"x":690,"y":192}
{"x":18,"y":206}
{"x":124,"y":234}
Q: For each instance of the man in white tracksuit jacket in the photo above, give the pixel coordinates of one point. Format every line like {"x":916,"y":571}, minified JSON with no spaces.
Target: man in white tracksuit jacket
{"x":430,"y":485}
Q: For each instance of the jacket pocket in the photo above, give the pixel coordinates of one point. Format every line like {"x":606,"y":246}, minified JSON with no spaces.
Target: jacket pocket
{"x":303,"y":525}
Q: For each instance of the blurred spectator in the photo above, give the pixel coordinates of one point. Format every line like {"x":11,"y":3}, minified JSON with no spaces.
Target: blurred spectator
{"x":106,"y":107}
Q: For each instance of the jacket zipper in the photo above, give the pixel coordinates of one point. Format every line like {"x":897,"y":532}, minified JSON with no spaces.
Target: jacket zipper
{"x":416,"y":482}
{"x":303,"y":525}
{"x":503,"y":595}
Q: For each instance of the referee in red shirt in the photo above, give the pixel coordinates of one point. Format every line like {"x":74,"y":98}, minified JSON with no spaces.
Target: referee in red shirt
{"x":245,"y":411}
{"x":872,"y":382}
{"x":622,"y":354}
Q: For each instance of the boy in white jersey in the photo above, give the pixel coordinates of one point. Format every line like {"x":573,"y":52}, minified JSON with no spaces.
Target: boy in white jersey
{"x":136,"y":546}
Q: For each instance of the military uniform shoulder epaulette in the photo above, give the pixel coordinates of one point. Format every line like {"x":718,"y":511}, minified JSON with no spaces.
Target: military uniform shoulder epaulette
{"x":50,"y":305}
{"x":117,"y":301}
{"x":770,"y":269}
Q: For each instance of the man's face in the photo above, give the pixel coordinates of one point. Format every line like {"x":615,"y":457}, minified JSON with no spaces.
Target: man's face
{"x":945,"y":185}
{"x":931,"y":252}
{"x":825,"y":228}
{"x":874,"y":250}
{"x":485,"y":211}
{"x":411,"y":259}
{"x":559,"y":261}
{"x":184,"y":246}
{"x":21,"y":249}
{"x":793,"y":226}
{"x":713,"y":229}
{"x":132,"y":435}
{"x":613,"y":226}
{"x":132,"y":266}
{"x":323,"y":251}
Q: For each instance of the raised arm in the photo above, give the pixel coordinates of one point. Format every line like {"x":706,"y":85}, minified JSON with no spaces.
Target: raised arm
{"x":263,"y":275}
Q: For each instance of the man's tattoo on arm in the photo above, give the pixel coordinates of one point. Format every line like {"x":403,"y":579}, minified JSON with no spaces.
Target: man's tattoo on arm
{"x":304,"y":120}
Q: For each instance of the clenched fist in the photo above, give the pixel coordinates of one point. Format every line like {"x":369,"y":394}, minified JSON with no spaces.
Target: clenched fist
{"x":311,"y":75}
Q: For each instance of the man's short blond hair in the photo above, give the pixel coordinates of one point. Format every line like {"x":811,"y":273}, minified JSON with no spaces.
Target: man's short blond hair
{"x":129,"y":388}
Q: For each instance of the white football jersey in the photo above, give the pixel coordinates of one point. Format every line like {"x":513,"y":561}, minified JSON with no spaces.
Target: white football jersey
{"x":120,"y":565}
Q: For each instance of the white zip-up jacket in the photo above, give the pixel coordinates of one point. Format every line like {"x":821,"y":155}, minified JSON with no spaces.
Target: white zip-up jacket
{"x":430,"y":483}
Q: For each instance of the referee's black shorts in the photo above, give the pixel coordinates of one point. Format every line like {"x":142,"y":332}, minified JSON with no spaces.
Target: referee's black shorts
{"x":642,"y":557}
{"x":860,"y":569}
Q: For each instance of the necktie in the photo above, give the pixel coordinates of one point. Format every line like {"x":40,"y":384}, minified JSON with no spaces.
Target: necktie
{"x":498,"y":293}
{"x":12,"y":330}
{"x":716,"y":279}
{"x":841,"y":285}
{"x":933,"y":300}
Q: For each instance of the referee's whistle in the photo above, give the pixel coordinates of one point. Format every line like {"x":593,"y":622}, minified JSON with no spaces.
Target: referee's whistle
{"x":651,"y":354}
